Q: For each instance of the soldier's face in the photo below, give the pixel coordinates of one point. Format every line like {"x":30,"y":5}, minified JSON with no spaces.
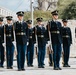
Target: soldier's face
{"x":20,"y":18}
{"x":9,"y":21}
{"x":1,"y":22}
{"x":65,"y":23}
{"x":39,"y":22}
{"x":55,"y":17}
{"x":29,"y":25}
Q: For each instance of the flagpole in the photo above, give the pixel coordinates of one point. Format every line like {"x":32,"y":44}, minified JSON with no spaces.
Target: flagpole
{"x":32,"y":17}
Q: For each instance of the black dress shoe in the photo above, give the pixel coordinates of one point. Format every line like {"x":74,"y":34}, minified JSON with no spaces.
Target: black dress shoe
{"x":56,"y":68}
{"x":31,"y":65}
{"x":59,"y":68}
{"x":68,"y":65}
{"x":11,"y":67}
{"x":8,"y":67}
{"x":39,"y":67}
{"x":42,"y":67}
{"x":23,"y":69}
{"x":19,"y":69}
{"x":28,"y":65}
{"x":65,"y":65}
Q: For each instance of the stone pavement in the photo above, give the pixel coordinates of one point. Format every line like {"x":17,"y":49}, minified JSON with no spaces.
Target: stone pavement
{"x":46,"y":71}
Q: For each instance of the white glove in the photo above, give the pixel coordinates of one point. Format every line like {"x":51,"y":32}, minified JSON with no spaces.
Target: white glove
{"x":35,"y":45}
{"x":27,"y":43}
{"x":3,"y":44}
{"x":48,"y":43}
{"x":14,"y":42}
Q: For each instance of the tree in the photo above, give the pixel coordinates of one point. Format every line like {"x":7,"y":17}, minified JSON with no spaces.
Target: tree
{"x":70,"y":11}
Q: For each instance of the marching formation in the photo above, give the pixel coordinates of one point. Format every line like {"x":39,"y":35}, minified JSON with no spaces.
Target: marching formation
{"x":23,"y":39}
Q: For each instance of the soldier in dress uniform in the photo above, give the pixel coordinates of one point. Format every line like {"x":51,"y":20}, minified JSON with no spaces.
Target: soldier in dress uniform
{"x":67,"y":41}
{"x":30,"y":47}
{"x":56,"y":39}
{"x":41,"y":38}
{"x":9,"y":42}
{"x":21,"y":31}
{"x":1,"y":42}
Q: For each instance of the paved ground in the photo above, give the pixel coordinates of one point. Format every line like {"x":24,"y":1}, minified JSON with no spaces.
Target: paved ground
{"x":46,"y":71}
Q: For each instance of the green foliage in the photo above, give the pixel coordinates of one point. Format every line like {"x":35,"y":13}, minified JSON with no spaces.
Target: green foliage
{"x":66,"y":8}
{"x":70,"y":11}
{"x":46,"y":15}
{"x":27,"y":15}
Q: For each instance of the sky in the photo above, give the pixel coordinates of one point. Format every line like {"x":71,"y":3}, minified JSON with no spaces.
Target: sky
{"x":16,"y":5}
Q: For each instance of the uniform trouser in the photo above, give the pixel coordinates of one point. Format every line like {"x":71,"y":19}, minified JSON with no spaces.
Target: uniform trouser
{"x":21,"y":51}
{"x":50,"y":58}
{"x":56,"y":54}
{"x":9,"y":55}
{"x":1,"y":55}
{"x":66,"y":49}
{"x":30,"y":54}
{"x":41,"y":55}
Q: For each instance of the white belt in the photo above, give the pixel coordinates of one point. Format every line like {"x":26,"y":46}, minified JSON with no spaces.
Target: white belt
{"x":20,"y":33}
{"x":66,"y":36}
{"x":41,"y":36}
{"x":30,"y":37}
{"x":8,"y":35}
{"x":57,"y":32}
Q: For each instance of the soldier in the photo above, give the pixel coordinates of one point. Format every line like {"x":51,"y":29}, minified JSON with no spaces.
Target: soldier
{"x":67,"y":41}
{"x":21,"y":31}
{"x":41,"y":38}
{"x":9,"y":42}
{"x":1,"y":42}
{"x":30,"y":47}
{"x":56,"y":39}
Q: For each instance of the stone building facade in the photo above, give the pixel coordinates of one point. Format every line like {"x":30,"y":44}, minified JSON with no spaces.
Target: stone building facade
{"x":47,"y":4}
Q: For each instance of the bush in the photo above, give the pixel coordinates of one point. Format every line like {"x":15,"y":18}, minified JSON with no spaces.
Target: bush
{"x":46,"y":15}
{"x":70,"y":11}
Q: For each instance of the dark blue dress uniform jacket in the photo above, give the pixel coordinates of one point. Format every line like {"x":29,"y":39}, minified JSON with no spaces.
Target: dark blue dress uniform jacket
{"x":66,"y":35}
{"x":22,"y":33}
{"x":32,"y":38}
{"x":55,"y":29}
{"x":9,"y":34}
{"x":41,"y":35}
